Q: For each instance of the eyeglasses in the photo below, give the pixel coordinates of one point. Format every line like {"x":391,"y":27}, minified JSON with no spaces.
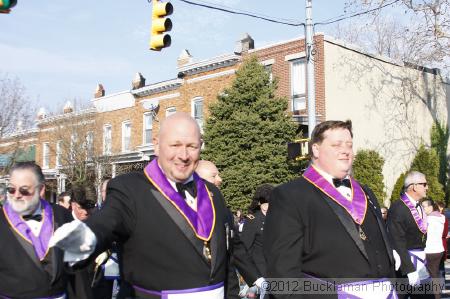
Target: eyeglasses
{"x":423,"y":184}
{"x":24,"y":191}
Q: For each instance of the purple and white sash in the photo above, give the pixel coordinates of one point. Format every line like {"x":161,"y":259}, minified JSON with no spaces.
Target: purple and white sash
{"x":209,"y":292}
{"x":40,"y":242}
{"x":356,"y":206}
{"x":421,"y":223}
{"x":201,"y":221}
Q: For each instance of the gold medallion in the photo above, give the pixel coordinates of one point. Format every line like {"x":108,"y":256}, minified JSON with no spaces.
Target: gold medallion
{"x":362,"y":235}
{"x":207,"y":251}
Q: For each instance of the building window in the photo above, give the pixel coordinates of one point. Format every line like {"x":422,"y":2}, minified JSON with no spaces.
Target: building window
{"x":170,"y":111}
{"x":89,"y":145}
{"x":197,"y":111}
{"x":107,"y":140}
{"x":45,"y":155}
{"x":268,"y":69}
{"x":58,"y":153}
{"x":126,"y":136}
{"x":298,"y":85}
{"x":147,"y":128}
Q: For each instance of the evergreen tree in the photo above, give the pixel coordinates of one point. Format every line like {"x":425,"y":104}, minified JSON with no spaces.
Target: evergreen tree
{"x":398,"y":187}
{"x":439,"y":141}
{"x":427,"y":162}
{"x":246,"y":135}
{"x":368,"y":170}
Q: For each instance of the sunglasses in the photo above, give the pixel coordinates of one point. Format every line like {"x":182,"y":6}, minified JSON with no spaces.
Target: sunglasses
{"x":423,"y":184}
{"x":24,"y":191}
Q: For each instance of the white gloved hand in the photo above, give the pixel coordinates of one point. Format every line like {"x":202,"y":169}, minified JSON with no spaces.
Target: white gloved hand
{"x":260,"y":283}
{"x":243,"y":292}
{"x":76,"y":239}
{"x":398,"y":261}
{"x":413,"y":278}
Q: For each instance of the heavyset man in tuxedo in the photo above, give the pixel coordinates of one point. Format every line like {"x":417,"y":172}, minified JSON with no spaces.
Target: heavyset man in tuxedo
{"x":408,"y":226}
{"x":325,"y":226}
{"x":170,"y":222}
{"x":28,"y":267}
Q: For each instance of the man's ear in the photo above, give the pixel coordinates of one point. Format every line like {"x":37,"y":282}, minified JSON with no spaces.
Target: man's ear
{"x":42,"y":191}
{"x":315,"y":150}
{"x":156,"y":145}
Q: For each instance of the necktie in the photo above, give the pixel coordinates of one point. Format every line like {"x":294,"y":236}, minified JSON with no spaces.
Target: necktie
{"x":189,"y":187}
{"x":37,"y":217}
{"x":344,"y":182}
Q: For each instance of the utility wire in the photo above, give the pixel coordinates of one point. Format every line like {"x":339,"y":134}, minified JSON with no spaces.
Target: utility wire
{"x":356,"y":14}
{"x":244,"y":13}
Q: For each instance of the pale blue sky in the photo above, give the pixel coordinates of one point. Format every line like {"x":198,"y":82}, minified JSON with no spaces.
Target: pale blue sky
{"x":61,"y":50}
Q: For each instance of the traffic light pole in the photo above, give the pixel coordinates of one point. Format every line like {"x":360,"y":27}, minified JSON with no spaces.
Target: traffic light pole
{"x":310,"y":79}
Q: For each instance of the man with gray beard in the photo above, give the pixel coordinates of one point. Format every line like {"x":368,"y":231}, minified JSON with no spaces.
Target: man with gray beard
{"x":29,"y":268}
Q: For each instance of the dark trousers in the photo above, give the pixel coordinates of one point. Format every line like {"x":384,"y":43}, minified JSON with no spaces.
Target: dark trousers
{"x":433,"y":261}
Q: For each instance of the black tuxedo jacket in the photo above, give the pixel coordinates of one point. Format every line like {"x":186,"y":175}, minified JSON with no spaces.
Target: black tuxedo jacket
{"x":307,"y":232}
{"x":405,"y":234}
{"x":160,"y":252}
{"x":22,"y":275}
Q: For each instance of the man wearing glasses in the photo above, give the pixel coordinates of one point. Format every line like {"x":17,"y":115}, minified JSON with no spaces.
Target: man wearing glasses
{"x":29,"y":268}
{"x":408,"y":227}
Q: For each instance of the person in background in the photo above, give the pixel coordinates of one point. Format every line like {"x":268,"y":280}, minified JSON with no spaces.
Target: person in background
{"x":253,"y":229}
{"x":434,"y":249}
{"x":441,"y":206}
{"x":64,"y":200}
{"x":407,"y":225}
{"x":82,"y":203}
{"x":208,"y":171}
{"x":384,"y":213}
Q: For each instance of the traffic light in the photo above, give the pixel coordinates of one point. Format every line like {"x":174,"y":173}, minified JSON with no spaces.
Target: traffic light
{"x":160,"y":25}
{"x":5,"y":5}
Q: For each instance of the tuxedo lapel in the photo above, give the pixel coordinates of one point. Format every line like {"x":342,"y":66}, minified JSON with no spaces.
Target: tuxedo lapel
{"x":381,"y":224}
{"x":182,"y":224}
{"x":347,"y":222}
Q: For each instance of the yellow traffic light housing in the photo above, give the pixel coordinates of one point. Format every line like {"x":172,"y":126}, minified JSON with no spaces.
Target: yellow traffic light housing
{"x":160,"y":25}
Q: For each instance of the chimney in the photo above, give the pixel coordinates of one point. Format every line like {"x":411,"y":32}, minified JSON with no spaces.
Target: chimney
{"x":138,"y":81}
{"x":99,"y":91}
{"x":68,"y":107}
{"x":244,"y":44}
{"x":42,"y":113}
{"x":184,"y":58}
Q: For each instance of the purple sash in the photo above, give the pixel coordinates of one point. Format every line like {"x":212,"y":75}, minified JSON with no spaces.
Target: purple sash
{"x":421,"y":223}
{"x":40,"y":243}
{"x":202,"y":221}
{"x":356,"y":207}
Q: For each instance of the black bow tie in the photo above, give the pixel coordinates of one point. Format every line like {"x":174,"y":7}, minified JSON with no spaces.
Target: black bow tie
{"x":36,"y":217}
{"x":417,"y":205}
{"x":344,"y":182}
{"x":189,"y":187}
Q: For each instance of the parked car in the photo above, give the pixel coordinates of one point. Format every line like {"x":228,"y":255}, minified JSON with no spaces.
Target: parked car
{"x":447,"y":215}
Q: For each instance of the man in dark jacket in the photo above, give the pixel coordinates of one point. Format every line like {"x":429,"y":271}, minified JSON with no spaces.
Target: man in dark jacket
{"x":29,"y":268}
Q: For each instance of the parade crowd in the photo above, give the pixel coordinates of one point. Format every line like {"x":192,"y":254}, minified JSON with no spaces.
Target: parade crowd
{"x":166,"y":232}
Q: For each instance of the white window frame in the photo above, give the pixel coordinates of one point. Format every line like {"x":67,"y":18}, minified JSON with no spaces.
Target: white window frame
{"x":73,"y":145}
{"x":107,"y":140}
{"x":298,"y":94}
{"x":198,"y":119}
{"x":126,"y":144}
{"x":45,"y":155}
{"x":58,"y":153}
{"x":171,"y":110}
{"x":145,"y":128}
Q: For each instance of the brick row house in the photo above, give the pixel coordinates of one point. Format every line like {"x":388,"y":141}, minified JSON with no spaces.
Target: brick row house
{"x":392,"y":105}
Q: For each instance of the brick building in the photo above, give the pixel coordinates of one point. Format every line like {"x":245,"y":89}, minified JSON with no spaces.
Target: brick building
{"x":392,"y":105}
